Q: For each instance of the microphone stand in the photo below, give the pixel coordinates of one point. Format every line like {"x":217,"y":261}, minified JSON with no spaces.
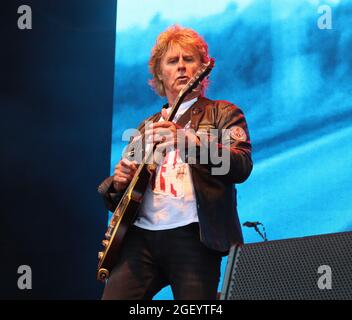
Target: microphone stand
{"x":255,"y":226}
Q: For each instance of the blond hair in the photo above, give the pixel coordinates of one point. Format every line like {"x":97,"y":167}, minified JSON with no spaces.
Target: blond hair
{"x":184,"y":37}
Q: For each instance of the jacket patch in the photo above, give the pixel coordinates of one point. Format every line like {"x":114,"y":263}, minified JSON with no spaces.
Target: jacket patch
{"x":237,"y":133}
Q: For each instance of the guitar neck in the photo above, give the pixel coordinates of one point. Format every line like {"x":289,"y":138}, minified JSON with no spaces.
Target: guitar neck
{"x":191,"y":84}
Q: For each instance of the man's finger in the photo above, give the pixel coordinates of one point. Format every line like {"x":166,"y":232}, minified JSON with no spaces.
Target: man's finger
{"x":128,"y":164}
{"x":125,"y":169}
{"x":162,"y":124}
{"x":164,"y":113}
{"x":126,"y":176}
{"x":125,"y":162}
{"x":165,"y":146}
{"x":161,"y":131}
{"x":121,"y":180}
{"x":134,"y":165}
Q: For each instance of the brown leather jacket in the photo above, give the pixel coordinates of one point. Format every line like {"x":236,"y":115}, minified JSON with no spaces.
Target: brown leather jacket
{"x":216,"y":194}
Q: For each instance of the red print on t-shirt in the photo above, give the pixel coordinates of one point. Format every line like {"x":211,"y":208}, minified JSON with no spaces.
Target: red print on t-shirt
{"x":168,"y":179}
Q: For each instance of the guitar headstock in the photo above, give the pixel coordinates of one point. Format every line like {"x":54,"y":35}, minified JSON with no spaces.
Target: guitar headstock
{"x":197,"y":78}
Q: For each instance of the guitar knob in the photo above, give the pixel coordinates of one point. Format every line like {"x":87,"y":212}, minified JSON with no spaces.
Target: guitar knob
{"x":105,"y":243}
{"x":100,"y":255}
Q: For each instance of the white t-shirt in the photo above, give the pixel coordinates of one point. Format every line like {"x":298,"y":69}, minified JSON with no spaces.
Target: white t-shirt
{"x":169,"y":201}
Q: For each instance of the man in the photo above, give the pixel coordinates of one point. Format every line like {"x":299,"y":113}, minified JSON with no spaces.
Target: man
{"x":188,"y":218}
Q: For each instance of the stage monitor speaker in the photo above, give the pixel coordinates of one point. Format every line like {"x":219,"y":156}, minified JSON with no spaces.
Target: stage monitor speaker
{"x":308,"y":268}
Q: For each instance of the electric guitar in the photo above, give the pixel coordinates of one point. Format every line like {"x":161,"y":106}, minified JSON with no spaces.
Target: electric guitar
{"x":127,"y":209}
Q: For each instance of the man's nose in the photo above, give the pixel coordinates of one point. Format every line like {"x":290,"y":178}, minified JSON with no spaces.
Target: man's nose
{"x":181,"y":65}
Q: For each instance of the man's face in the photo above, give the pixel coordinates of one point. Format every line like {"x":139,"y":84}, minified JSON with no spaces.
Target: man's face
{"x":177,"y":67}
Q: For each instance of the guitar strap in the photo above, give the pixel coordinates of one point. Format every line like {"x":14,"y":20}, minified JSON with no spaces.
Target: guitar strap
{"x":186,"y":117}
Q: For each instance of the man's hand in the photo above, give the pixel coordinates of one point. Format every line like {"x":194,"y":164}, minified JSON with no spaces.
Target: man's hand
{"x":164,"y":132}
{"x":123,"y":174}
{"x":169,"y":135}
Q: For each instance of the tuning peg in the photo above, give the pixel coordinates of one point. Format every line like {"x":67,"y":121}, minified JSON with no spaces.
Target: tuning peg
{"x":100,"y":255}
{"x":108,"y":235}
{"x":105,"y":243}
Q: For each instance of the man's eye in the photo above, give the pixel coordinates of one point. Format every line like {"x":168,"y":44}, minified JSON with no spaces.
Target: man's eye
{"x":173,"y":61}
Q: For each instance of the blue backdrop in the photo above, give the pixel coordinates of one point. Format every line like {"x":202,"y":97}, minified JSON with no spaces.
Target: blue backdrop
{"x":288,"y":66}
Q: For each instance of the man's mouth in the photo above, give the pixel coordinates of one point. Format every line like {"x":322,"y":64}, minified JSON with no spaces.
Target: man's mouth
{"x":182,"y":78}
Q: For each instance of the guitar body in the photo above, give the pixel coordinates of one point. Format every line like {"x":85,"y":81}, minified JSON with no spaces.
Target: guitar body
{"x":123,"y":217}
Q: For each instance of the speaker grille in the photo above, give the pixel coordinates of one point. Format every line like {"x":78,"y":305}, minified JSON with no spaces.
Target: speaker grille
{"x":288,"y":269}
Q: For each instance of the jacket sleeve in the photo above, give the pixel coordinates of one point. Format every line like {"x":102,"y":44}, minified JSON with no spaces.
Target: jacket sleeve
{"x":234,"y":145}
{"x":111,"y":197}
{"x":225,"y":151}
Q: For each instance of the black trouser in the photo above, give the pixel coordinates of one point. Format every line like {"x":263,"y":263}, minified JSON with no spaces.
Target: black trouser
{"x":151,"y":260}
